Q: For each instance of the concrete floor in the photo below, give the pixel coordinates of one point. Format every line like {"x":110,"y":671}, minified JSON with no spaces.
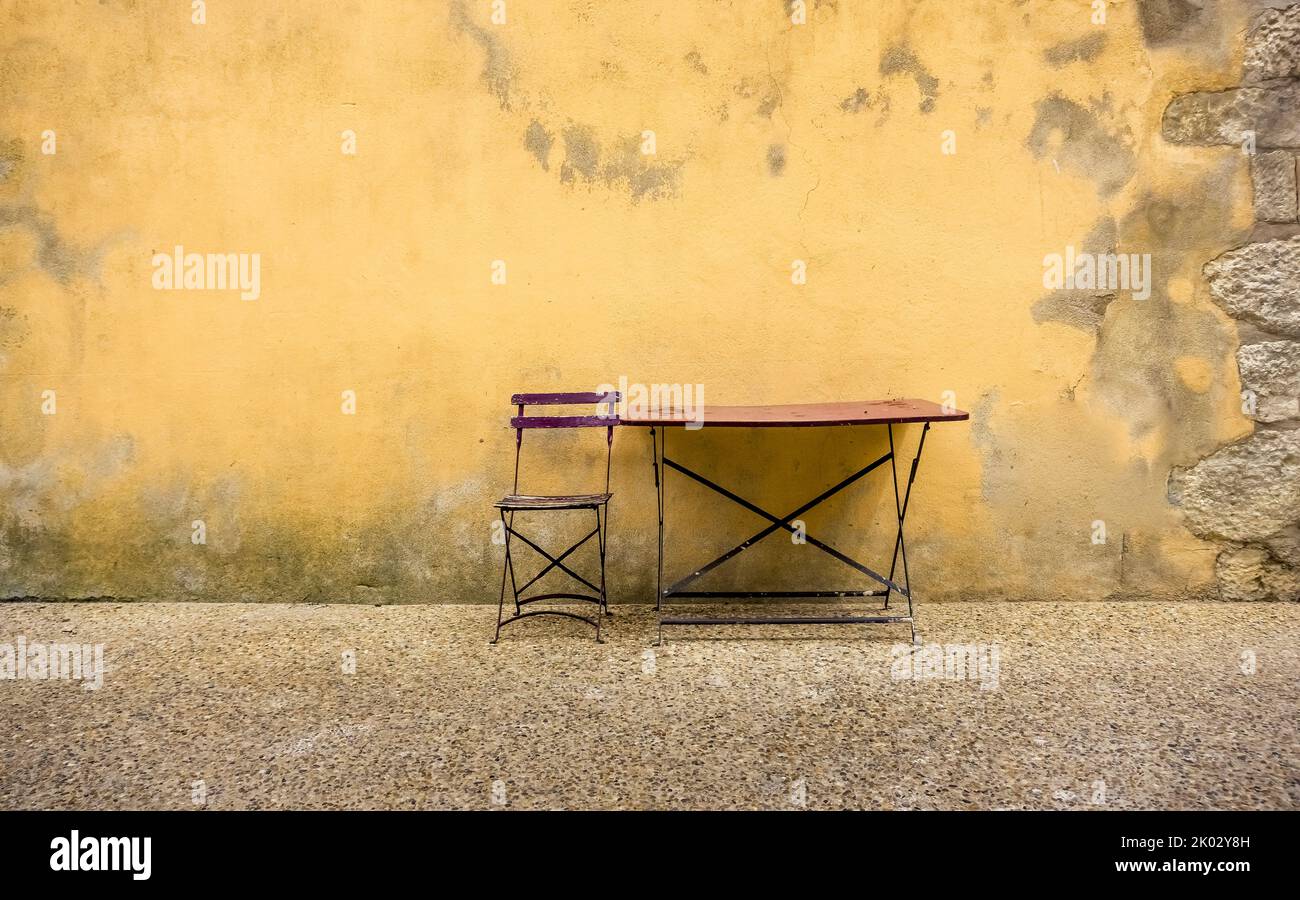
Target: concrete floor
{"x":1091,"y":706}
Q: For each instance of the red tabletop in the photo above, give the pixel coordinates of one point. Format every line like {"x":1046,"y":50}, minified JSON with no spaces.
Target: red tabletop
{"x":849,"y":412}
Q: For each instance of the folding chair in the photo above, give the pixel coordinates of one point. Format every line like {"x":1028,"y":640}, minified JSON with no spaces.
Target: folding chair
{"x":516,"y":502}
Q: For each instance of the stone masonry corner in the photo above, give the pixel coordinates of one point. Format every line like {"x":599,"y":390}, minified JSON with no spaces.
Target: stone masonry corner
{"x":1246,"y":496}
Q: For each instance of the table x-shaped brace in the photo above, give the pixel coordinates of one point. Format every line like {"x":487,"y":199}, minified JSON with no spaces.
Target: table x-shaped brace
{"x":786,"y":523}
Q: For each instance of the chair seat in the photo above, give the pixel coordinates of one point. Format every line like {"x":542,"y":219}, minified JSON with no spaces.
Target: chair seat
{"x":571,"y":501}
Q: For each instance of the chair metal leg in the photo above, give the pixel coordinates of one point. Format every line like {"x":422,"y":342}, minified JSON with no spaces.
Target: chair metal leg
{"x":510,"y":561}
{"x":600,"y":607}
{"x":501,"y":604}
{"x":602,"y":526}
{"x":656,"y":461}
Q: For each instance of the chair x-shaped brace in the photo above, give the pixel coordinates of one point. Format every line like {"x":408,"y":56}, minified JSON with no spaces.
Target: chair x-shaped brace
{"x":553,"y":562}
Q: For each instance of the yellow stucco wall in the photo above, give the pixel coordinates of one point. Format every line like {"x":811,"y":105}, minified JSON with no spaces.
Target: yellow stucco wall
{"x":775,"y":142}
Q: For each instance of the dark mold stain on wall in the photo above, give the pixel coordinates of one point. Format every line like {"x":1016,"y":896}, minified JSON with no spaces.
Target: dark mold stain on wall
{"x":900,"y":60}
{"x":1084,"y":49}
{"x":1134,"y":367}
{"x":581,"y":154}
{"x":498,"y":71}
{"x":775,"y":160}
{"x":1076,"y":139}
{"x":539,"y":142}
{"x":768,"y":103}
{"x":55,"y":255}
{"x":856,"y":102}
{"x":586,"y":162}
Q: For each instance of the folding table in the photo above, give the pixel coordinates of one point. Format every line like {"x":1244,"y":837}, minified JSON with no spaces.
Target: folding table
{"x":886,"y":413}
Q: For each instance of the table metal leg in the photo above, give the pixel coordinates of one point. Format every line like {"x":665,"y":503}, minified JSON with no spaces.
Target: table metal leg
{"x":900,"y":544}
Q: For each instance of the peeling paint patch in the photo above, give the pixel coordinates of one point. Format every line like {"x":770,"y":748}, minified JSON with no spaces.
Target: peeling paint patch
{"x":539,"y":142}
{"x":498,"y":71}
{"x":746,"y":89}
{"x":11,"y":154}
{"x":696,"y":62}
{"x":900,"y":60}
{"x":1084,"y":49}
{"x":1077,"y":140}
{"x":1080,"y":308}
{"x":13,"y":328}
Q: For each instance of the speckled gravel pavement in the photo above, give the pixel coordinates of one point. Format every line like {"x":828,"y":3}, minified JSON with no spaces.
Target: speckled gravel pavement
{"x":1136,"y":705}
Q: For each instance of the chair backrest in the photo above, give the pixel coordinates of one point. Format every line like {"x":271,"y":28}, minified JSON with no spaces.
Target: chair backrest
{"x":601,"y":420}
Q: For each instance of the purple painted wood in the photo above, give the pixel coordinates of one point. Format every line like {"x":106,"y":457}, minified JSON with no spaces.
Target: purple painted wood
{"x":860,"y":412}
{"x":563,"y":421}
{"x":564,"y":399}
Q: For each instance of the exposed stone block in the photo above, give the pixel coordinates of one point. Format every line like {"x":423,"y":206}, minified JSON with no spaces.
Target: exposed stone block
{"x":1273,"y":174}
{"x":1285,"y":545}
{"x":1271,"y":111}
{"x":1271,"y":371}
{"x":1172,"y":21}
{"x":1248,"y":491}
{"x":1273,"y":46}
{"x":1261,"y":284}
{"x":1250,"y":573}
